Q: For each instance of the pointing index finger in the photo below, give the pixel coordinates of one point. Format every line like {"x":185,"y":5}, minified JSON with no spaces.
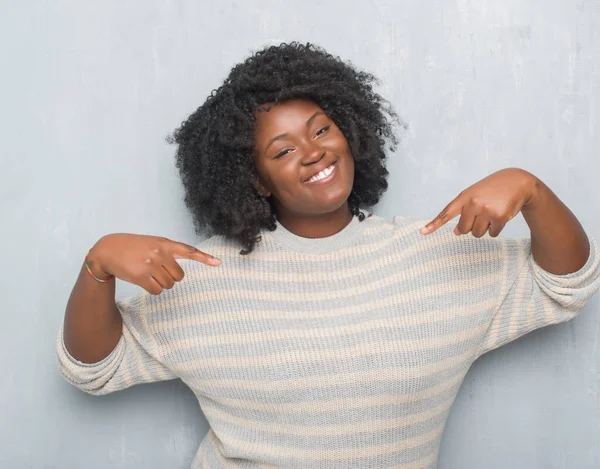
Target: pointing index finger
{"x":451,"y":211}
{"x":184,"y":251}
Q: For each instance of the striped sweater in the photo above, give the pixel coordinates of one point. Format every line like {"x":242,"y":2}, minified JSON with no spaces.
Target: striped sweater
{"x":337,"y":352}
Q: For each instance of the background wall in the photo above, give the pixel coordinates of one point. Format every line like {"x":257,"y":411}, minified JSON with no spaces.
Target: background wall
{"x":88,"y":92}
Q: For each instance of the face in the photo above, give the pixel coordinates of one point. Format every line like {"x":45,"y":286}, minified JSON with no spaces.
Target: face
{"x":303,"y":159}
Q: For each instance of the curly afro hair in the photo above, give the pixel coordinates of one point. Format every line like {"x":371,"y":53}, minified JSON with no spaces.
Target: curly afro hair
{"x":216,"y":142}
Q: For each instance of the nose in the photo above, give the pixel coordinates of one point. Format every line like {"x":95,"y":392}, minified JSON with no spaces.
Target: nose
{"x":313,"y":153}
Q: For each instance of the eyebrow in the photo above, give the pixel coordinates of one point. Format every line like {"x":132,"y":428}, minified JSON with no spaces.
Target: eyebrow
{"x":308,"y":122}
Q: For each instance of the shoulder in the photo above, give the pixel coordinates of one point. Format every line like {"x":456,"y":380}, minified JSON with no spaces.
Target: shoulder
{"x":443,"y":245}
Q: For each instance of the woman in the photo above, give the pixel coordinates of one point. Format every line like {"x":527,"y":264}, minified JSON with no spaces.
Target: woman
{"x":320,"y":335}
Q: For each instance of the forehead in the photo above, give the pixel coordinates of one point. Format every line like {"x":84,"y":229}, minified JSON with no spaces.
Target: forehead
{"x":284,"y":117}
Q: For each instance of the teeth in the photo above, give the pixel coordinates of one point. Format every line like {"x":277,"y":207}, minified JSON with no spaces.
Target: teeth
{"x":323,"y":174}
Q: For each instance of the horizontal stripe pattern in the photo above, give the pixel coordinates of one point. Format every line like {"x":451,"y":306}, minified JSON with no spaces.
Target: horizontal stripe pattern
{"x":339,"y":352}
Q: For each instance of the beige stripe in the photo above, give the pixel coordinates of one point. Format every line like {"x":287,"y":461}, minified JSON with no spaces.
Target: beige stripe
{"x":203,"y":460}
{"x":376,"y":264}
{"x":125,"y":372}
{"x":519,"y":302}
{"x":531,"y":310}
{"x":158,"y":371}
{"x":420,"y":463}
{"x":335,"y":453}
{"x":349,"y":378}
{"x":241,"y":294}
{"x":549,"y":312}
{"x":416,"y":318}
{"x":124,"y":377}
{"x":431,"y":266}
{"x":334,"y":332}
{"x":417,"y":464}
{"x":357,"y":402}
{"x":350,"y":428}
{"x":218,"y":445}
{"x":507,"y":319}
{"x":196,"y":300}
{"x":391,"y":346}
{"x":139,"y":365}
{"x":222,"y":317}
{"x":265,"y":466}
{"x":143,"y":356}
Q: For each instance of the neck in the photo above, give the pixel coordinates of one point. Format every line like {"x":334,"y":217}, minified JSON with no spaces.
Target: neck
{"x":316,"y":226}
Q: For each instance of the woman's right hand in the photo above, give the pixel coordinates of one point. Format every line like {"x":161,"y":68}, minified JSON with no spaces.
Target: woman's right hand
{"x":147,"y":261}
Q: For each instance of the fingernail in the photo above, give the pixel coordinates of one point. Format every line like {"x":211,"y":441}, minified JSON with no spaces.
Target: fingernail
{"x":456,"y":232}
{"x":424,"y":230}
{"x":215,"y":261}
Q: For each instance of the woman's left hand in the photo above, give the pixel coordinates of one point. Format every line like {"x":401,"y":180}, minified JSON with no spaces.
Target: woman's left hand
{"x":488,"y":204}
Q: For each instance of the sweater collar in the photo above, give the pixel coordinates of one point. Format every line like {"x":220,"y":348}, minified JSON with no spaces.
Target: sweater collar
{"x":350,"y":233}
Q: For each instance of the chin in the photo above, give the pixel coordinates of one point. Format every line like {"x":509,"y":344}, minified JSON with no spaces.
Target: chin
{"x":333,"y":205}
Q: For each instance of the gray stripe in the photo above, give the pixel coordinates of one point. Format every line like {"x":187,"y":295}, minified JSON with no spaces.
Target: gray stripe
{"x":298,"y":416}
{"x":394,"y":386}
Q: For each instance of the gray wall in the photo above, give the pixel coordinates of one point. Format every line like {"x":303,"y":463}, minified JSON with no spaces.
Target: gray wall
{"x":90,"y":89}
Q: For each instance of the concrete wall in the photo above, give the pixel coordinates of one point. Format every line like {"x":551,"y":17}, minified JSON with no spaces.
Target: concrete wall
{"x":90,"y":89}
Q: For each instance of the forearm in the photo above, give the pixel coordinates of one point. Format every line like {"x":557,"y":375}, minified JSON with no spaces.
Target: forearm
{"x":558,"y":242}
{"x":93,"y":323}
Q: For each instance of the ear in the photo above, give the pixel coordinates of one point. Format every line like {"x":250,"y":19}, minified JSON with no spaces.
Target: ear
{"x":262,"y":190}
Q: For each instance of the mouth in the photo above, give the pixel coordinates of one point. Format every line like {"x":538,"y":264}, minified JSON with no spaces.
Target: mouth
{"x":323,"y":176}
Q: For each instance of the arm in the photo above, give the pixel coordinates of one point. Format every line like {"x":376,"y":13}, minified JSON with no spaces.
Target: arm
{"x":558,"y":242}
{"x":107,"y":345}
{"x":545,"y":280}
{"x":93,"y":325}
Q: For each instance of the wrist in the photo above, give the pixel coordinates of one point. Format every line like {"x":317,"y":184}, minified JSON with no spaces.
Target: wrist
{"x":95,"y":262}
{"x":534,"y":188}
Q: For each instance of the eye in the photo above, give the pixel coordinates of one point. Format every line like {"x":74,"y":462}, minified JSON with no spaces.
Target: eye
{"x":322,"y":131}
{"x":282,"y":153}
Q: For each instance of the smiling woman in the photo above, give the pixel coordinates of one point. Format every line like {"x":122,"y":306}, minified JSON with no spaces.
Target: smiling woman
{"x":279,"y":115}
{"x":339,"y":339}
{"x":307,"y":167}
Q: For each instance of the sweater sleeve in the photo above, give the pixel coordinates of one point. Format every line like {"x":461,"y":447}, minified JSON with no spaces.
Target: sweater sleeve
{"x":531,"y":297}
{"x":134,"y":359}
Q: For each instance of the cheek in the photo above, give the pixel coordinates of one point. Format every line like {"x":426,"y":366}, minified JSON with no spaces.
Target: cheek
{"x":350,"y":158}
{"x":344,"y":148}
{"x":283,"y":180}
{"x":350,"y":164}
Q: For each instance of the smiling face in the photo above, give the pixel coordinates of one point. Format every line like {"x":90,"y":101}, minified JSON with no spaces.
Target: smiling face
{"x":303,"y":160}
